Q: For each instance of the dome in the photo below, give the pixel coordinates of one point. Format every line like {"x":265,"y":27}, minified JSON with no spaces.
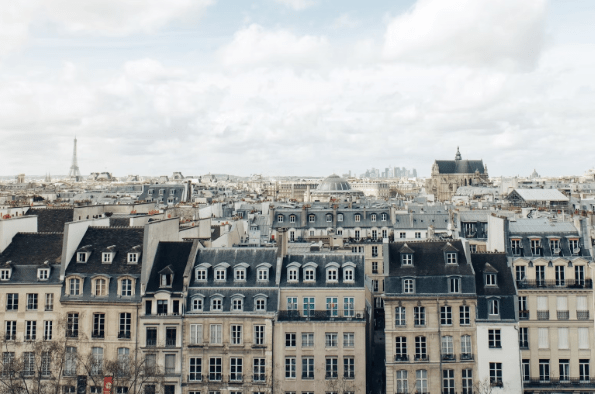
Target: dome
{"x":333,"y":183}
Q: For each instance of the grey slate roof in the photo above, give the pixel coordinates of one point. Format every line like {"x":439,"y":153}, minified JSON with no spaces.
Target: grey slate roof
{"x":172,"y":255}
{"x":27,"y":274}
{"x":52,"y":220}
{"x":505,"y":291}
{"x":228,"y":293}
{"x":33,"y":249}
{"x":540,"y":225}
{"x":321,"y":260}
{"x":460,"y":166}
{"x":421,"y":221}
{"x":541,"y":195}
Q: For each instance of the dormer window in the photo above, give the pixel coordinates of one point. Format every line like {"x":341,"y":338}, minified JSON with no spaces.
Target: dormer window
{"x":373,"y":217}
{"x":408,"y":286}
{"x":151,"y":191}
{"x":555,"y":246}
{"x":239,"y":274}
{"x":348,"y":275}
{"x":82,"y":257}
{"x":491,"y":280}
{"x":237,"y":303}
{"x":166,"y":280}
{"x":201,"y":274}
{"x":454,"y":285}
{"x":126,"y":287}
{"x":263,"y":274}
{"x":43,"y":274}
{"x":132,"y":258}
{"x":292,"y":275}
{"x":106,"y":257}
{"x":197,"y":304}
{"x":331,"y":275}
{"x":161,"y":191}
{"x":357,"y":217}
{"x":280,"y":219}
{"x":494,"y":307}
{"x":292,"y":219}
{"x":5,"y":274}
{"x":340,"y":217}
{"x":451,"y":258}
{"x":217,"y":303}
{"x":309,"y":275}
{"x":100,"y":287}
{"x":74,"y":286}
{"x":220,"y":274}
{"x":311,"y":218}
{"x":329,"y":218}
{"x":384,"y":217}
{"x":406,"y":259}
{"x":172,"y":192}
{"x":260,"y":303}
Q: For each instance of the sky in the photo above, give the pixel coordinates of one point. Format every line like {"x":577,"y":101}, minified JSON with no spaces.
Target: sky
{"x":296,"y":87}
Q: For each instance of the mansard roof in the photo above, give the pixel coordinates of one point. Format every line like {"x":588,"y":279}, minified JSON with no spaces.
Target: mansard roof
{"x":320,"y":261}
{"x":171,"y":257}
{"x":52,"y":220}
{"x":33,"y":249}
{"x":429,"y":259}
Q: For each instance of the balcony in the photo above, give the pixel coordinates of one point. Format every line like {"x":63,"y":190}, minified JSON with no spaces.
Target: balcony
{"x":124,"y":334}
{"x":466,"y":357}
{"x":449,"y":358}
{"x":524,"y":344}
{"x":542,"y":283}
{"x":422,"y":358}
{"x":543,"y":315}
{"x":236,"y":378}
{"x":151,"y":342}
{"x":523,"y":315}
{"x":582,"y":315}
{"x":170,"y":342}
{"x":563,"y":315}
{"x":572,"y":383}
{"x":401,"y":358}
{"x":322,"y":315}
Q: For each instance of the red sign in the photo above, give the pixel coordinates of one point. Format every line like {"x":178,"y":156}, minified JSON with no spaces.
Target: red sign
{"x":107,"y":384}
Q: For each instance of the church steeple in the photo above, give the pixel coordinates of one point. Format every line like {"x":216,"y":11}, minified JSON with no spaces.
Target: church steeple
{"x":458,"y":156}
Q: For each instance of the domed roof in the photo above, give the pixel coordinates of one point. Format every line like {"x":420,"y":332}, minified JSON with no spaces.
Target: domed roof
{"x":332,"y":184}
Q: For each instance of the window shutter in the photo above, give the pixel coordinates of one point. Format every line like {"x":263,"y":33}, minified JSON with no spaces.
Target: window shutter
{"x":583,"y":338}
{"x":542,"y":304}
{"x":562,"y":338}
{"x":562,"y":303}
{"x":544,"y":341}
{"x":581,"y":303}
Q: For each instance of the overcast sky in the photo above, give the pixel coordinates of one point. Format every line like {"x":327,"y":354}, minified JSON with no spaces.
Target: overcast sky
{"x":296,"y":87}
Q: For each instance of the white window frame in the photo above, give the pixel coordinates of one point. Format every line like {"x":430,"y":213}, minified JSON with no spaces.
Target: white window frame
{"x":408,"y":286}
{"x":308,"y":271}
{"x":451,"y":258}
{"x":132,"y":258}
{"x":201,"y":270}
{"x":491,"y":279}
{"x":262,"y":274}
{"x":214,"y":303}
{"x":220,"y":274}
{"x":348,"y":275}
{"x":332,"y":275}
{"x":239,"y":274}
{"x":43,"y":274}
{"x":293,"y":275}
{"x":107,"y":257}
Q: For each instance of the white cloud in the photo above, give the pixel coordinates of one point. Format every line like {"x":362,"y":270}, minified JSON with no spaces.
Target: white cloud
{"x":297,"y":5}
{"x":14,"y":25}
{"x":256,"y":45}
{"x":504,"y":33}
{"x":346,"y":21}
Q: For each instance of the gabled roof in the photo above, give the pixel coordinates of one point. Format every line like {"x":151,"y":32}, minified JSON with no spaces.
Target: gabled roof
{"x":33,"y":249}
{"x":460,"y":166}
{"x":449,"y":248}
{"x":540,"y":195}
{"x":170,"y":258}
{"x":489,"y":269}
{"x":429,"y":259}
{"x":406,"y":249}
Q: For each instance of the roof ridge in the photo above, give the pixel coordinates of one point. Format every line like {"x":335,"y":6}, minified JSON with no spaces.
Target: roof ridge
{"x":40,"y":232}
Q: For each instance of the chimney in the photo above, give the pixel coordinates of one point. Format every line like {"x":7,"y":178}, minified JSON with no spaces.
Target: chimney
{"x":335,"y":216}
{"x":282,"y":242}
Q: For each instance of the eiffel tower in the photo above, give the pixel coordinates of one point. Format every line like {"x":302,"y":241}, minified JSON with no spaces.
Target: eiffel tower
{"x":74,"y":168}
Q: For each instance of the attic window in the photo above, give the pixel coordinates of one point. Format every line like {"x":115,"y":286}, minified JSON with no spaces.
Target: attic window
{"x":280,"y":219}
{"x":263,"y":274}
{"x":491,"y":280}
{"x":348,"y":275}
{"x":309,"y":275}
{"x":451,"y":258}
{"x":331,"y":275}
{"x":292,"y":219}
{"x":384,"y":217}
{"x":5,"y":274}
{"x":220,"y":274}
{"x":81,"y":257}
{"x":43,"y":273}
{"x":373,"y":217}
{"x":240,"y":274}
{"x":311,"y":218}
{"x":357,"y":217}
{"x":201,"y":274}
{"x":292,"y":275}
{"x":340,"y":217}
{"x":107,"y":257}
{"x":166,"y":280}
{"x":406,"y":259}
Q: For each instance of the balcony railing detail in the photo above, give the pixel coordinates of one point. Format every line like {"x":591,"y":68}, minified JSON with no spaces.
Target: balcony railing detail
{"x":466,"y":356}
{"x":322,"y":315}
{"x":563,"y":315}
{"x":449,"y":357}
{"x":543,"y":315}
{"x":421,"y":358}
{"x":401,"y":358}
{"x":524,"y":315}
{"x":582,"y":315}
{"x":542,"y":283}
{"x":579,"y":383}
{"x":524,"y":344}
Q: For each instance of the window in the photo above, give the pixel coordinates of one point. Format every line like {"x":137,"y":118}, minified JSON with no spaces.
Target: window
{"x":464,"y":315}
{"x":12,"y":301}
{"x":81,"y":257}
{"x":151,"y":337}
{"x":525,"y":370}
{"x":74,"y":286}
{"x":421,"y":381}
{"x":236,"y":334}
{"x":544,"y":340}
{"x":126,"y":288}
{"x":216,"y":333}
{"x":466,"y":347}
{"x":307,"y":367}
{"x":400,"y":348}
{"x":584,"y":370}
{"x":132,"y":258}
{"x":280,"y":219}
{"x":373,"y":217}
{"x":32,"y":302}
{"x":357,"y":234}
{"x":162,"y":307}
{"x":420,"y":348}
{"x":201,"y":274}
{"x":309,"y":275}
{"x":331,"y":275}
{"x":106,"y":258}
{"x":259,"y":370}
{"x":473,"y":248}
{"x":263,"y":274}
{"x":307,"y":339}
{"x":332,"y":306}
{"x":72,"y":325}
{"x":236,"y":369}
{"x":402,"y":235}
{"x":374,"y":267}
{"x":5,"y":274}
{"x":125,"y":325}
{"x":70,"y":361}
{"x":30,"y":330}
{"x":357,"y":217}
{"x":494,"y":307}
{"x":195,"y":369}
{"x":451,"y":258}
{"x":560,"y":275}
{"x":220,"y":274}
{"x":540,"y":275}
{"x":494,"y":338}
{"x":290,"y":339}
{"x":170,"y":337}
{"x":348,"y":367}
{"x":523,"y":308}
{"x":417,"y":235}
{"x":419,"y":315}
{"x":446,"y":315}
{"x":98,"y":325}
{"x":340,"y":217}
{"x":11,"y":330}
{"x":237,"y":304}
{"x":258,"y":335}
{"x":348,"y":275}
{"x":583,"y":338}
{"x":348,"y":307}
{"x":521,"y":273}
{"x":454,"y":285}
{"x":564,"y":369}
{"x":448,"y":381}
{"x":47,"y":330}
{"x":408,"y":286}
{"x":43,"y":273}
{"x":447,"y":347}
{"x":329,"y":218}
{"x":291,"y":218}
{"x":308,"y":306}
{"x":524,"y":337}
{"x":49,"y":302}
{"x":46,"y":362}
{"x":544,"y":370}
{"x":536,"y":247}
{"x":384,"y":234}
{"x":406,"y":259}
{"x":332,"y":368}
{"x":374,"y":248}
{"x":292,"y":275}
{"x":290,"y":367}
{"x":374,"y":284}
{"x":400,"y":316}
{"x":215,"y":369}
{"x":402,"y":386}
{"x":330,"y":339}
{"x":261,"y":304}
{"x":579,"y":275}
{"x":97,"y":361}
{"x":196,"y":334}
{"x":496,"y":374}
{"x":240,"y":274}
{"x":348,"y":339}
{"x":216,"y":304}
{"x":197,"y":304}
{"x":490,"y":279}
{"x":311,"y":218}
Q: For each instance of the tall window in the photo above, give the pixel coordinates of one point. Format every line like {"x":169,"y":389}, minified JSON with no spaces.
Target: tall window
{"x":421,"y":381}
{"x":466,"y":352}
{"x":348,"y":306}
{"x":544,"y":370}
{"x":47,"y":330}
{"x":494,"y":339}
{"x":290,"y":368}
{"x":100,"y":287}
{"x":454,"y":285}
{"x":521,"y":274}
{"x":464,"y":315}
{"x":332,"y":306}
{"x":467,"y":381}
{"x":12,"y":302}
{"x":70,"y":361}
{"x":97,"y":361}
{"x":331,"y":339}
{"x":290,"y":339}
{"x":420,"y":348}
{"x":402,"y":386}
{"x":408,"y":287}
{"x":496,"y":374}
{"x":49,"y":301}
{"x":584,"y":370}
{"x":236,"y":369}
{"x":579,"y":275}
{"x":564,"y":369}
{"x":99,"y":325}
{"x":215,"y":334}
{"x":259,"y":335}
{"x":494,"y":307}
{"x":125,"y":325}
{"x":30,"y":330}
{"x":446,"y":315}
{"x":540,"y":275}
{"x":126,"y":288}
{"x":307,"y":367}
{"x":524,"y":337}
{"x":74,"y":286}
{"x":400,"y":316}
{"x":215,"y":369}
{"x":525,"y":370}
{"x":258,"y":370}
{"x":11,"y":330}
{"x":236,"y":334}
{"x":196,"y":334}
{"x":332,"y":368}
{"x":447,"y":347}
{"x":348,"y":367}
{"x":419,"y":315}
{"x":448,"y":381}
{"x":348,"y":339}
{"x":560,"y":275}
{"x":400,"y":348}
{"x":195,"y":371}
{"x":309,"y":306}
{"x":72,"y":325}
{"x":32,"y":302}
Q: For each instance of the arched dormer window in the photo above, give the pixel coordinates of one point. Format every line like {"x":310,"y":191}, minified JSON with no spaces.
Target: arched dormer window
{"x":373,"y":217}
{"x":239,"y":272}
{"x":349,"y":272}
{"x":262,"y":272}
{"x":310,"y":272}
{"x":384,"y":217}
{"x":237,"y":303}
{"x":329,"y":218}
{"x":74,"y":286}
{"x":493,"y":308}
{"x":216,"y":303}
{"x":197,"y":303}
{"x":100,"y":286}
{"x":339,"y":217}
{"x":126,"y":287}
{"x":357,"y":217}
{"x":332,"y":272}
{"x":221,"y":272}
{"x":291,"y":218}
{"x":201,"y":272}
{"x":293,"y":273}
{"x":166,"y":277}
{"x":311,"y":218}
{"x":260,"y":303}
{"x":279,"y":218}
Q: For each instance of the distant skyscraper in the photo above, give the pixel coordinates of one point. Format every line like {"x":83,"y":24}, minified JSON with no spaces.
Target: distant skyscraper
{"x":74,"y":168}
